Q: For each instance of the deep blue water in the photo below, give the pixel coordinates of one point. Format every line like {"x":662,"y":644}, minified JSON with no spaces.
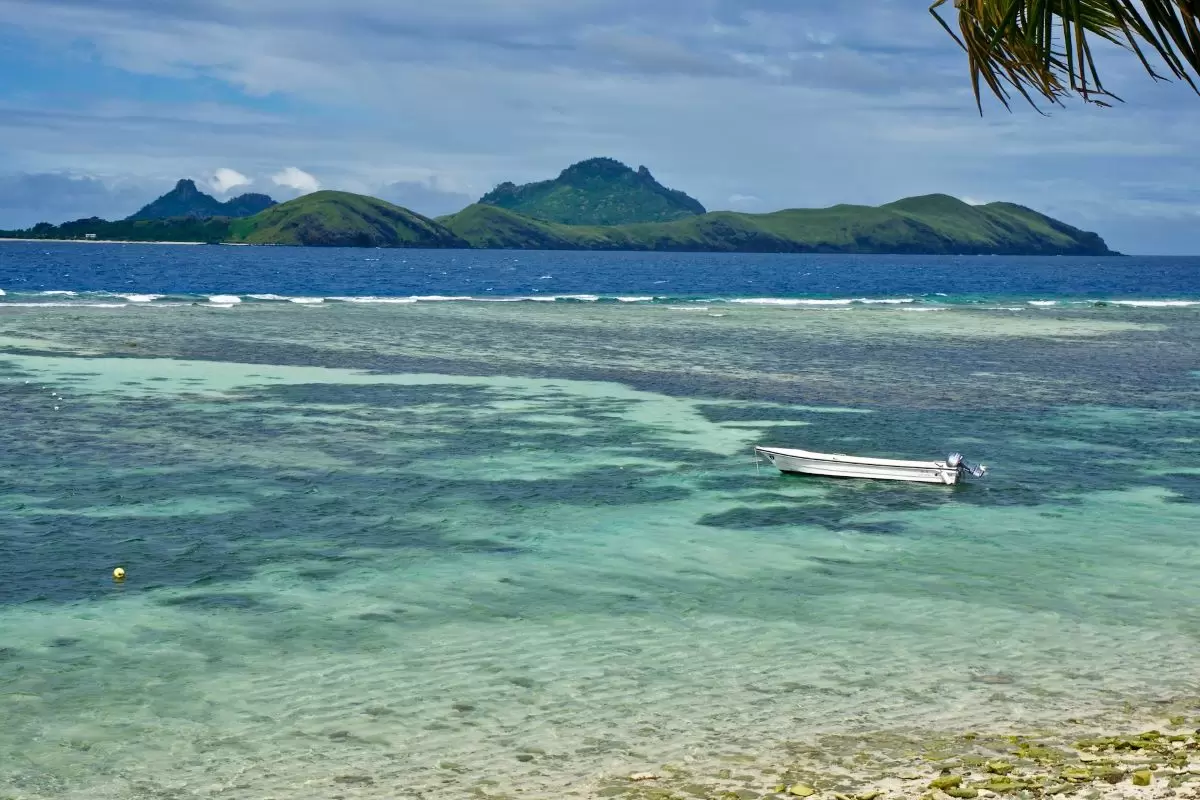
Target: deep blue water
{"x":36,"y":267}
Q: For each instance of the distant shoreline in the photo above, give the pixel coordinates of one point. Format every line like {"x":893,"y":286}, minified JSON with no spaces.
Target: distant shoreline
{"x":551,"y":249}
{"x":103,"y":241}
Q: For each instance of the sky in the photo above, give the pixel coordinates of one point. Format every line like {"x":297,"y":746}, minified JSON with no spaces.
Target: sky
{"x":751,"y":105}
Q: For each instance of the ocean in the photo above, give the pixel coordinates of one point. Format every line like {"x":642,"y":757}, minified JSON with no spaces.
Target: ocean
{"x":141,"y":269}
{"x":450,"y":524}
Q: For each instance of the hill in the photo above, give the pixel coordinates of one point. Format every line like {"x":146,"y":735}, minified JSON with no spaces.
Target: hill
{"x":490,"y":227}
{"x":342,"y":219}
{"x":929,"y":225}
{"x":321,"y":219}
{"x":246,"y":205}
{"x":185,"y":200}
{"x":599,"y":191}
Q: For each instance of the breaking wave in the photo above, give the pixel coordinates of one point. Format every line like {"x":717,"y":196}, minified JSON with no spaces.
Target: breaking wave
{"x":929,"y":302}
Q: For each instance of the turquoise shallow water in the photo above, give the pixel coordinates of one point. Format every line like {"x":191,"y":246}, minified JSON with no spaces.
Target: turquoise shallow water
{"x":402,"y":550}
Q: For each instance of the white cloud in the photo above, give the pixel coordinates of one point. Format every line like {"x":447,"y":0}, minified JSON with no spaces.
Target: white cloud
{"x":807,"y":105}
{"x":225,"y":179}
{"x":428,"y":197}
{"x":744,"y":202}
{"x":298,"y":179}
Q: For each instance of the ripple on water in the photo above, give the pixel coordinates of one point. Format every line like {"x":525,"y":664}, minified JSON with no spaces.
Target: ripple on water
{"x":367,"y":580}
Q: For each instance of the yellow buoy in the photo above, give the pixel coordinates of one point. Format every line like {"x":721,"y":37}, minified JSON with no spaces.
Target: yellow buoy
{"x":119,"y":574}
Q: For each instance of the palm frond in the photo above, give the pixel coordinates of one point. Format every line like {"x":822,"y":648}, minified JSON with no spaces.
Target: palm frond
{"x":1043,"y":48}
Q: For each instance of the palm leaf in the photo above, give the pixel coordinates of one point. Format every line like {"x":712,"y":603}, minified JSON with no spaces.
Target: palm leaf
{"x":1043,"y":48}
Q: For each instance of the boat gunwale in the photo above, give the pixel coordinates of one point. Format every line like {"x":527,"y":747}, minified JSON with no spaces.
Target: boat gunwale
{"x":841,"y":458}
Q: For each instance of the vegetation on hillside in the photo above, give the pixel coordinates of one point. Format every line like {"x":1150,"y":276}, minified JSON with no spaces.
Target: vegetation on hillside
{"x":330,"y":219}
{"x":934,"y":224}
{"x":599,"y":191}
{"x":342,"y":219}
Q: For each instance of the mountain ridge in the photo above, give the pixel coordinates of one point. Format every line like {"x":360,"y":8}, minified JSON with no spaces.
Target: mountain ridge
{"x":596,"y":191}
{"x":185,"y":200}
{"x":925,"y":225}
{"x":935,"y":224}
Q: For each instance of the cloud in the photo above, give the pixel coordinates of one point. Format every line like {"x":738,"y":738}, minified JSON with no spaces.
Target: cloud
{"x":226,"y":179}
{"x":316,"y":49}
{"x":298,"y":179}
{"x":29,"y":198}
{"x":744,"y":202}
{"x":795,"y":104}
{"x":425,"y":197}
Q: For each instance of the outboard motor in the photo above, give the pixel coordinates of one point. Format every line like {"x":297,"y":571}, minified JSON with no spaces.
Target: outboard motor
{"x":956,"y":461}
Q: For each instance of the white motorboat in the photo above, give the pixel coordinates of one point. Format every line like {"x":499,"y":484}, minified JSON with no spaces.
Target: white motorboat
{"x":836,"y":465}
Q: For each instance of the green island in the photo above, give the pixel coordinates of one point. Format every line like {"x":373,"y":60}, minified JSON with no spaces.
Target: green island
{"x":599,"y":204}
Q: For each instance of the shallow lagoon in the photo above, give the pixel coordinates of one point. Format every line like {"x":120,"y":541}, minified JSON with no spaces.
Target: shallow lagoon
{"x":411,"y":550}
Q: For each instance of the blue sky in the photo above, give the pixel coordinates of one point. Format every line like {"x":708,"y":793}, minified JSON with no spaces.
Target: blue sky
{"x":746,"y":104}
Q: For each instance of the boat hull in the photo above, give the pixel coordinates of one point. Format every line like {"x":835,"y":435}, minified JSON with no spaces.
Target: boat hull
{"x":841,"y":466}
